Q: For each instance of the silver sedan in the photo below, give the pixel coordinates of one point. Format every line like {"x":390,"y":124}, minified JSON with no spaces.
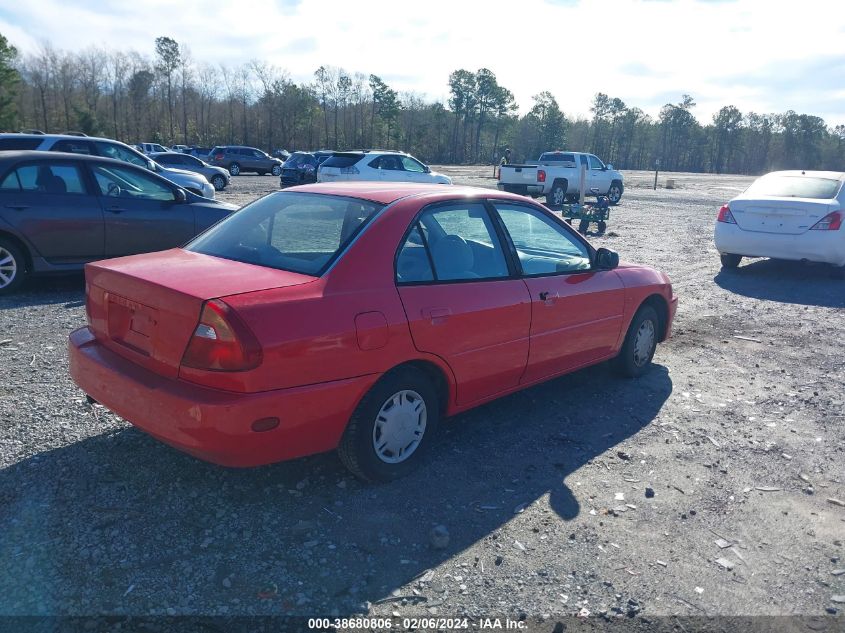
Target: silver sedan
{"x":217,"y":176}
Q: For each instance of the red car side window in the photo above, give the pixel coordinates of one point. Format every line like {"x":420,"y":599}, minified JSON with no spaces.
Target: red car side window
{"x":463,"y":243}
{"x":542,"y":246}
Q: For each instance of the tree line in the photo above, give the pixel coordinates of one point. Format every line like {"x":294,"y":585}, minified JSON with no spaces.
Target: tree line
{"x":170,"y":97}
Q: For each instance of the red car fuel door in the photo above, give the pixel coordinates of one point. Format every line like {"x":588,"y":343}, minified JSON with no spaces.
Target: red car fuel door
{"x":576,"y":311}
{"x":462,"y":302}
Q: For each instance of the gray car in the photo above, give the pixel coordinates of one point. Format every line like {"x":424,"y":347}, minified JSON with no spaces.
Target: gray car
{"x":239,"y":159}
{"x":59,"y":211}
{"x":217,"y":176}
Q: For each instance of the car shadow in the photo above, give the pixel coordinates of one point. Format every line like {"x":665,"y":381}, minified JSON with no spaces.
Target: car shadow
{"x":68,"y":289}
{"x":120,"y":523}
{"x":785,"y":282}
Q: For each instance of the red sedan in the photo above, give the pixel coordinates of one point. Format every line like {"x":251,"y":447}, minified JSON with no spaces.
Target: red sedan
{"x":355,"y":316}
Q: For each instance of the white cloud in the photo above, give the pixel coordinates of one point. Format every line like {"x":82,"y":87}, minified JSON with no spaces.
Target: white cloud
{"x":644,"y":52}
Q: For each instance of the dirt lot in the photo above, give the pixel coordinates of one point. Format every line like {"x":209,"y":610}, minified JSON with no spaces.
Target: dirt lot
{"x":546,"y":495}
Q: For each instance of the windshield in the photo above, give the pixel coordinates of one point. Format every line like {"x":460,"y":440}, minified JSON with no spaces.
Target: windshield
{"x":782,"y":186}
{"x":299,"y":232}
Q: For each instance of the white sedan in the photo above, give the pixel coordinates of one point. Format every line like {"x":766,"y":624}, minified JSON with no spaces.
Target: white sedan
{"x":380,"y":165}
{"x":793,"y":215}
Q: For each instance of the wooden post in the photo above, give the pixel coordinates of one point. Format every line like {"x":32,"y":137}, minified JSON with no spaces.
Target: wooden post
{"x":656,"y":168}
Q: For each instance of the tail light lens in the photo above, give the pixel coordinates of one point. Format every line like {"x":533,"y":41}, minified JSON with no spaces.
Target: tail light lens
{"x":218,"y":157}
{"x":725,"y":215}
{"x":830,"y":222}
{"x":221,"y":341}
{"x":541,"y":175}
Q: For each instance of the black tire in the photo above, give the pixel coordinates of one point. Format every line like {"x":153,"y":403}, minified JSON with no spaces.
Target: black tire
{"x":729,"y":260}
{"x":614,"y":194}
{"x":219,"y":182}
{"x":602,"y":227}
{"x":13,"y":268}
{"x":356,"y":448}
{"x":583,"y":226}
{"x":557,"y":194}
{"x":277,"y":170}
{"x":234,"y":169}
{"x":632,"y":362}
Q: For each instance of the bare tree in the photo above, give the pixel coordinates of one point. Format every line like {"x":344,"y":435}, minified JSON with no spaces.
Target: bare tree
{"x":168,"y":60}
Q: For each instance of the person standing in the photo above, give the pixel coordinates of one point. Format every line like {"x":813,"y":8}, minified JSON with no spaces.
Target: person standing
{"x":506,"y":159}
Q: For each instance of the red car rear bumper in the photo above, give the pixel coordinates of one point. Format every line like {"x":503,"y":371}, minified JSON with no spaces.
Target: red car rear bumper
{"x":216,"y":425}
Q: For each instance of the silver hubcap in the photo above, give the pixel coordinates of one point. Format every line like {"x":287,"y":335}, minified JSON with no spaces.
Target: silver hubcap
{"x":399,"y":427}
{"x":644,"y":343}
{"x":614,"y":194}
{"x":277,"y":171}
{"x":558,"y":196}
{"x":235,"y":170}
{"x":219,"y":183}
{"x":8,"y":268}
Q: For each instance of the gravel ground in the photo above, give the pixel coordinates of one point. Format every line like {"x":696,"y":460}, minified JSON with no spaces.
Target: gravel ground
{"x":708,"y":487}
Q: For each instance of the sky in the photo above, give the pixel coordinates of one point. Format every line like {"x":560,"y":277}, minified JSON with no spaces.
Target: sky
{"x":759,"y":55}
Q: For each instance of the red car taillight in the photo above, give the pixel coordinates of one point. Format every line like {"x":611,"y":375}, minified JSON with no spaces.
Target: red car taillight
{"x":725,"y":215}
{"x":218,"y":157}
{"x":541,"y":175}
{"x":830,"y":222}
{"x":222,"y":342}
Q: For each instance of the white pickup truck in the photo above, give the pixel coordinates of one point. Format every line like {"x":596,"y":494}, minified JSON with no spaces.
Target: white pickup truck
{"x":557,"y":175}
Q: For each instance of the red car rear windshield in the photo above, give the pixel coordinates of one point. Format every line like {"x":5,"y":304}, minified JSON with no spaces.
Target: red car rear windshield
{"x":300,"y":232}
{"x":782,"y":186}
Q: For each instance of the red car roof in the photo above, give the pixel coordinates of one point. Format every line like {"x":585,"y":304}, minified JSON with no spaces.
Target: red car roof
{"x":388,"y":192}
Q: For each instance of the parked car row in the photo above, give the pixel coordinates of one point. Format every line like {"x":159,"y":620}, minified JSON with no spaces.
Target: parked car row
{"x":106,"y":148}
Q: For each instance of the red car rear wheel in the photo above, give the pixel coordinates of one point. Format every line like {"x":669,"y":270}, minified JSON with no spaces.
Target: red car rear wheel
{"x":392,"y":427}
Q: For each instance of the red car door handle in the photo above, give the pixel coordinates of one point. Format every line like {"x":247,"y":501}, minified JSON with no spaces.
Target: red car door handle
{"x":548,"y":296}
{"x":437,"y":315}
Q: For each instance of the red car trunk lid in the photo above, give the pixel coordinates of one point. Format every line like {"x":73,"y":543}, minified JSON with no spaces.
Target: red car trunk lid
{"x":146,"y":307}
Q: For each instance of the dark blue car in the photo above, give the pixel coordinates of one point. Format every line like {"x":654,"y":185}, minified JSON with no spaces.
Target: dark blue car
{"x":301,"y":167}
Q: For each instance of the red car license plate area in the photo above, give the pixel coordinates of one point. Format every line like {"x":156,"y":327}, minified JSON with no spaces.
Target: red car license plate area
{"x":130,"y":323}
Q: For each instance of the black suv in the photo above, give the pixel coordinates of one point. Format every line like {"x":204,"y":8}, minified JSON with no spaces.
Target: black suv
{"x":239,"y":159}
{"x":301,"y":167}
